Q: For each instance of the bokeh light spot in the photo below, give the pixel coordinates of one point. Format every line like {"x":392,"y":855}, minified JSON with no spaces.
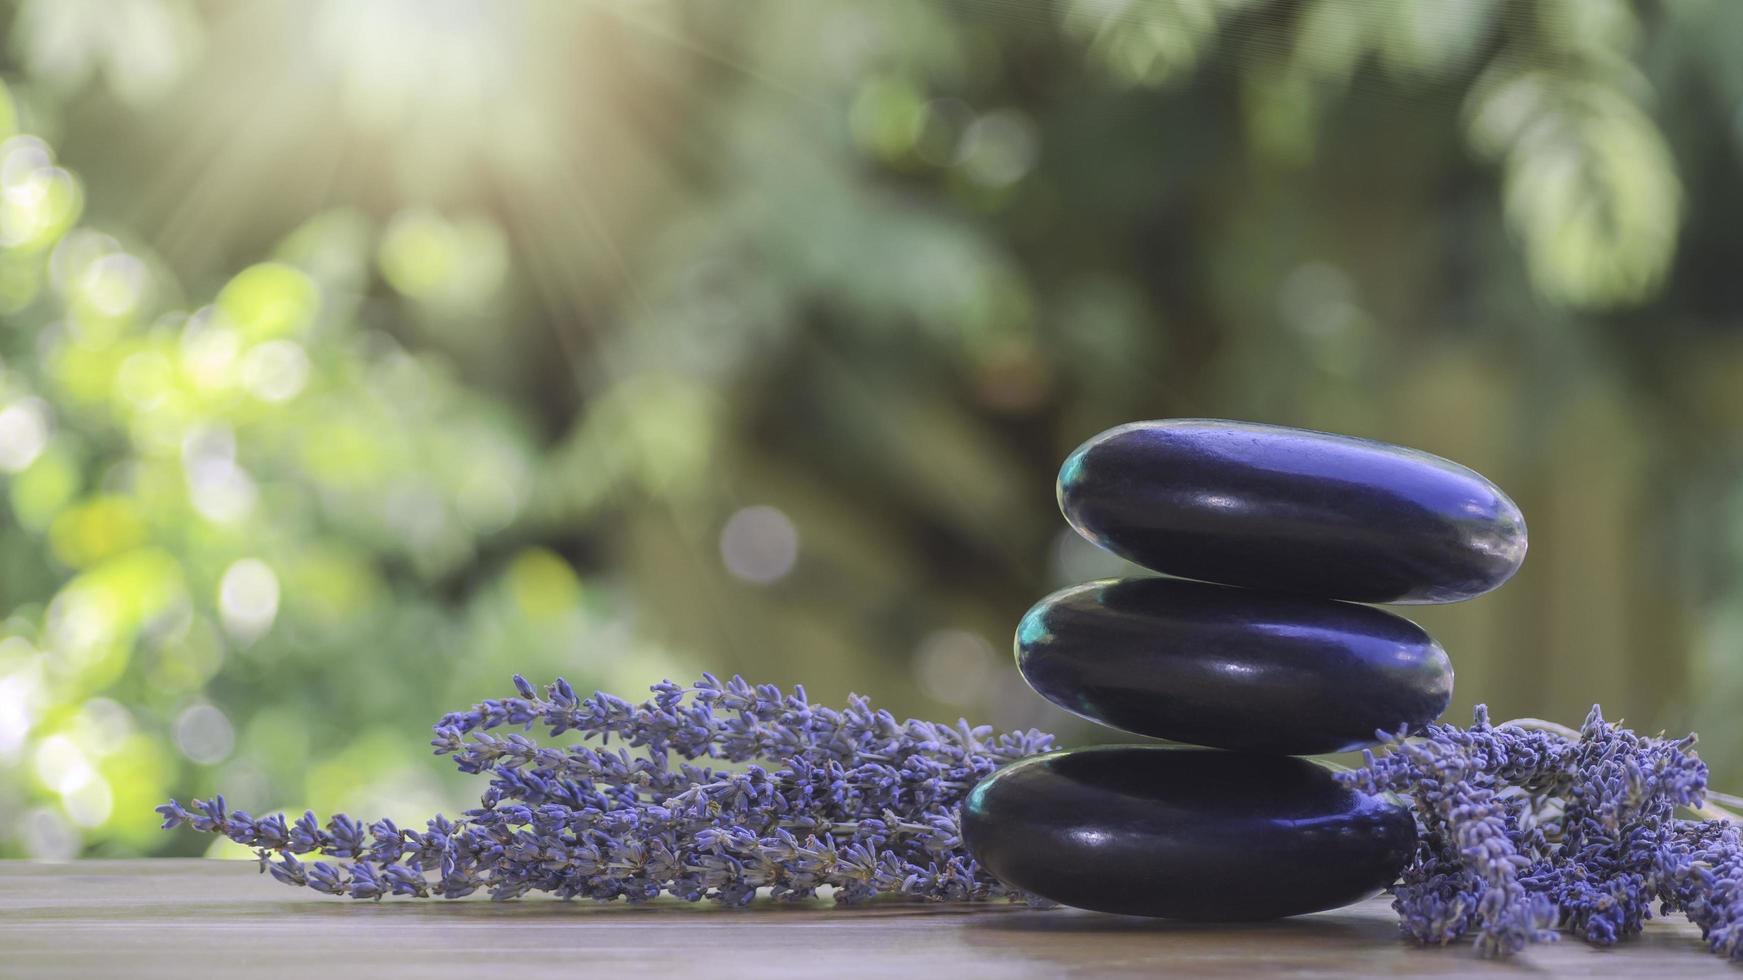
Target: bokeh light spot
{"x":269,"y":300}
{"x":24,"y":431}
{"x":90,"y":803}
{"x":115,"y":284}
{"x":248,"y":599}
{"x":204,"y":734}
{"x":542,"y":584}
{"x":145,"y":379}
{"x":208,"y":350}
{"x":47,"y":836}
{"x":97,"y":529}
{"x":102,"y":725}
{"x":20,"y":692}
{"x":61,"y":765}
{"x":219,"y":489}
{"x":759,"y":544}
{"x":428,"y":257}
{"x":275,"y":371}
{"x":998,"y":149}
{"x":38,"y":201}
{"x":955,"y":666}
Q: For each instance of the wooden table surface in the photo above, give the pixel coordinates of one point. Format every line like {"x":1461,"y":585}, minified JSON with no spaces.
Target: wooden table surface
{"x":181,"y":918}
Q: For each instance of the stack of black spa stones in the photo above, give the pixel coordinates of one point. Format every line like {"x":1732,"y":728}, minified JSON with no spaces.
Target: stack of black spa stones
{"x":1274,"y":661}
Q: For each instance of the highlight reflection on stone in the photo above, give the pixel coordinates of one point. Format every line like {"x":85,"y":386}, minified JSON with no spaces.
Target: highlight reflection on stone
{"x":1185,"y":833}
{"x":1292,"y":510}
{"x":1229,"y":668}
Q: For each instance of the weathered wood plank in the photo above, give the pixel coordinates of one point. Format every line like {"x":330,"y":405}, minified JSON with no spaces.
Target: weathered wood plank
{"x":180,"y":918}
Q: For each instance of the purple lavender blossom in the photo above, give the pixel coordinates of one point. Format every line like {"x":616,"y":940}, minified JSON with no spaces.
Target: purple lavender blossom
{"x":852,"y":800}
{"x":1525,"y":831}
{"x":722,"y":789}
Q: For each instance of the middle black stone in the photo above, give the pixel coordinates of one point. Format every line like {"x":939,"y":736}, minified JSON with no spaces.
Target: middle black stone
{"x":1231,"y":668}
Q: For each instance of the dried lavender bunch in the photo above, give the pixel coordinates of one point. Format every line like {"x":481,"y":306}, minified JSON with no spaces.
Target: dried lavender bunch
{"x":850,"y":799}
{"x":1524,"y":831}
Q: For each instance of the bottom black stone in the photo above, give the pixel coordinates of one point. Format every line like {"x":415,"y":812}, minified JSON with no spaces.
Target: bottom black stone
{"x":1185,"y":833}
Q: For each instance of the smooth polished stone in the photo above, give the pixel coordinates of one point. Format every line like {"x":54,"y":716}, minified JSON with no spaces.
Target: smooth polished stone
{"x":1185,"y":833}
{"x":1291,"y":510}
{"x":1232,"y":668}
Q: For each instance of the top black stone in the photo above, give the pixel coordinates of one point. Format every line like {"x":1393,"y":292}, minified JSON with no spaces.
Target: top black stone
{"x":1292,"y":510}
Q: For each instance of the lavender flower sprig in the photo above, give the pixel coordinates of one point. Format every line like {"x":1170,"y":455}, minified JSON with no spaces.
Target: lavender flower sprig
{"x":851,"y":799}
{"x":721,"y":789}
{"x":1523,"y":831}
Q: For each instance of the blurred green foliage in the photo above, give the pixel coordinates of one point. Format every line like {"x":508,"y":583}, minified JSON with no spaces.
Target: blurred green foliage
{"x":358,"y":354}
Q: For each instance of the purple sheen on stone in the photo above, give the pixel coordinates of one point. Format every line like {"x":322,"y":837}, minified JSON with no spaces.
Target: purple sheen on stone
{"x":1230,"y":668}
{"x":1292,"y":510}
{"x":1185,"y":833}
